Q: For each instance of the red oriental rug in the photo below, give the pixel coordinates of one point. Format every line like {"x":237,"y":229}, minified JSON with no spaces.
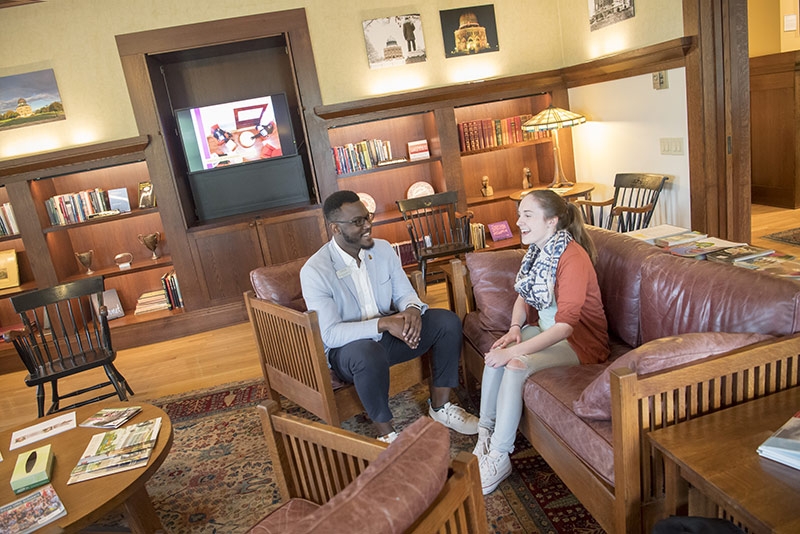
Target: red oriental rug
{"x":218,"y":479}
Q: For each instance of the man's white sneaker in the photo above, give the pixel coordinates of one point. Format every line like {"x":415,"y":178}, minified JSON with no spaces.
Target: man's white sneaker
{"x":482,"y":447}
{"x":495,"y":467}
{"x":388,"y":438}
{"x":455,"y":417}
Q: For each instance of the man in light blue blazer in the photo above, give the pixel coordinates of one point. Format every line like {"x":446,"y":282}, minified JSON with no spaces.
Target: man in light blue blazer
{"x":371,"y":318}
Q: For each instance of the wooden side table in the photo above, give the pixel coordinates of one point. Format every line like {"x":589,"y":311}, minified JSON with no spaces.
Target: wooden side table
{"x":580,"y":189}
{"x":711,"y":462}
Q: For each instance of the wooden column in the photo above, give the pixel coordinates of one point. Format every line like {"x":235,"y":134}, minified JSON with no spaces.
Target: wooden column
{"x":718,"y":107}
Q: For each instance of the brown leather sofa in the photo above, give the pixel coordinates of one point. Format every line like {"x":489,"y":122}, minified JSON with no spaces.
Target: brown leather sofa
{"x":688,"y":337}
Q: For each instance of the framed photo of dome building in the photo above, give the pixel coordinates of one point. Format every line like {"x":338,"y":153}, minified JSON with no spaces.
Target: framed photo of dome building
{"x":469,"y":30}
{"x":29,"y":98}
{"x":394,"y":41}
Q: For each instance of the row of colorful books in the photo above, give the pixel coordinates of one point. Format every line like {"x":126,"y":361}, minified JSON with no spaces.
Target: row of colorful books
{"x":487,"y":133}
{"x":361,"y":156}
{"x":167,"y":298}
{"x":71,"y":208}
{"x":693,"y":244}
{"x":8,"y":222}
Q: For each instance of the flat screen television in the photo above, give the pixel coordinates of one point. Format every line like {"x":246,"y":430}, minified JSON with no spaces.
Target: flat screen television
{"x":236,"y":133}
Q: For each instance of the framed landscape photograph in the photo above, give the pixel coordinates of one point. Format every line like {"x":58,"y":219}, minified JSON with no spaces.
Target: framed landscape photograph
{"x":469,"y":30}
{"x":29,"y":98}
{"x":393,"y":41}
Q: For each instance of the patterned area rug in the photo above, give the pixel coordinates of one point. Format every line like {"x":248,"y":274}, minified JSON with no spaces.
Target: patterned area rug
{"x":787,"y":236}
{"x":218,"y":479}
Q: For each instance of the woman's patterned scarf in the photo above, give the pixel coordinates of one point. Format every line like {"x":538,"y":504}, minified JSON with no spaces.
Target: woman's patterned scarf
{"x":537,"y":274}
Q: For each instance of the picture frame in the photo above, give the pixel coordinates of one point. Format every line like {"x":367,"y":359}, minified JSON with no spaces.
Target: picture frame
{"x":394,"y":41}
{"x":469,"y":30}
{"x":147,"y":196}
{"x":9,"y":269}
{"x":36,"y":96}
{"x":500,"y":230}
{"x":609,"y":13}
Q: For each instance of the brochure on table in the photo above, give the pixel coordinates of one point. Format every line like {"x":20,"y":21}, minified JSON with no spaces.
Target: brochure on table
{"x":42,"y":430}
{"x":784,"y":445}
{"x":31,"y":512}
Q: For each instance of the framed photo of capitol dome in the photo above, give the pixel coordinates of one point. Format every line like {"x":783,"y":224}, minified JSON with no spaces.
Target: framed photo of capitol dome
{"x":29,"y":98}
{"x":469,"y":30}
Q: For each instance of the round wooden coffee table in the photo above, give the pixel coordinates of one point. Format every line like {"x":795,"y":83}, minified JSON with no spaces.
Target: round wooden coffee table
{"x":87,"y":502}
{"x":580,"y":189}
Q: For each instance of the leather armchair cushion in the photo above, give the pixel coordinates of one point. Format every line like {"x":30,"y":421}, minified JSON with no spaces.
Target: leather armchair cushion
{"x":492,"y":275}
{"x":280,"y":283}
{"x":595,"y":401}
{"x":287,"y":514}
{"x":394,"y":490}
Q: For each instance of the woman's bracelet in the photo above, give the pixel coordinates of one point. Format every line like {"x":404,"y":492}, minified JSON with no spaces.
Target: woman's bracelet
{"x":515,"y":324}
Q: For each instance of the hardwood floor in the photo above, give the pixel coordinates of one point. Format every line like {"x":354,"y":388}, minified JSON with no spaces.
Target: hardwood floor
{"x":229,"y":354}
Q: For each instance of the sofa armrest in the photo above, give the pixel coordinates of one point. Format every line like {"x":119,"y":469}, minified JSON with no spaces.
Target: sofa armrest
{"x":459,"y":288}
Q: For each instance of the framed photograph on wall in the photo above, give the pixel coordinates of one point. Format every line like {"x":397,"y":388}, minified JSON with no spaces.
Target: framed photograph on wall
{"x":469,"y":30}
{"x":30,"y":98}
{"x":394,"y":41}
{"x":607,"y":12}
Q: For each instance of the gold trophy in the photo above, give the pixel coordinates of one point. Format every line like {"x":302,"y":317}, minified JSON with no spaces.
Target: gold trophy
{"x":85,"y":259}
{"x":151,"y":242}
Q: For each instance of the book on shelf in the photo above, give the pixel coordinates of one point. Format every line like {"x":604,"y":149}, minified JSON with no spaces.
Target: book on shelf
{"x":783,"y":265}
{"x":363,"y":155}
{"x":478,"y":231}
{"x":9,"y":269}
{"x":784,"y":445}
{"x":71,"y":208}
{"x":117,"y":450}
{"x":111,"y":417}
{"x":702,"y":247}
{"x":418,"y":150}
{"x":111,"y":302}
{"x":740,"y":253}
{"x":17,"y":518}
{"x":405,"y":251}
{"x":151,"y":301}
{"x":33,"y":469}
{"x":118,"y":199}
{"x":8,"y":222}
{"x":500,"y":230}
{"x":679,"y":239}
{"x":660,"y":231}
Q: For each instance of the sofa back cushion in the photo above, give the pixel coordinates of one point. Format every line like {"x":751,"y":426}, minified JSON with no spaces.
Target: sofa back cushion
{"x":680,"y":295}
{"x":394,"y":490}
{"x":492,"y":275}
{"x":280,"y":284}
{"x":619,"y":275}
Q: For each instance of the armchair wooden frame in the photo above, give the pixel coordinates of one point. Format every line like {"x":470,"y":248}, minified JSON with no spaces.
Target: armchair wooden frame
{"x":315,"y":462}
{"x":435,"y":228}
{"x":641,"y":404}
{"x":294,"y":365}
{"x":631,"y":208}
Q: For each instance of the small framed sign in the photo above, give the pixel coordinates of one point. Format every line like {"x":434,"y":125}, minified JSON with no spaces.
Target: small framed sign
{"x":500,"y":230}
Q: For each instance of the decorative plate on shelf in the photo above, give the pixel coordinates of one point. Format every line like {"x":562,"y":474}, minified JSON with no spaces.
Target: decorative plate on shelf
{"x":368,"y":201}
{"x":419,"y":189}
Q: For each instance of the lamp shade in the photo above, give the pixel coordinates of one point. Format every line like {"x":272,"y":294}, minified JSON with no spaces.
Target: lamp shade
{"x":553,"y":118}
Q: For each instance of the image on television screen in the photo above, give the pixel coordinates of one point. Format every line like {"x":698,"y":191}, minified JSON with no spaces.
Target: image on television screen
{"x":236,"y":132}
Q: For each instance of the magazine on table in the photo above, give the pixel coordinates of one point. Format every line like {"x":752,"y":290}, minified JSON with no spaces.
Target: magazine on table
{"x":700,"y":248}
{"x":784,"y":445}
{"x":31,"y":512}
{"x":783,"y":265}
{"x":741,"y":253}
{"x":111,"y":417}
{"x":117,"y":450}
{"x":649,"y":235}
{"x":679,"y":239}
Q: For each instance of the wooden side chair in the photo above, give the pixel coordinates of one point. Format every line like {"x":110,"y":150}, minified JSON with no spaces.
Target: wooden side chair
{"x":436,"y":229}
{"x":65,"y":334}
{"x":333,"y":480}
{"x":633,"y":205}
{"x":291,"y":352}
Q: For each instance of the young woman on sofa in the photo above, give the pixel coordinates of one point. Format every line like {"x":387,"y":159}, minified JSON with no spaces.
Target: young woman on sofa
{"x":558,"y":279}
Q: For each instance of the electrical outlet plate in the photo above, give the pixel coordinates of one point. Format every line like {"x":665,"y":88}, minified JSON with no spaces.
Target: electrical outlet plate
{"x":660,"y":80}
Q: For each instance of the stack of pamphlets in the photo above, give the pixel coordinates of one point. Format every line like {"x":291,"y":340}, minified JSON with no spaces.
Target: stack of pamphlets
{"x":784,"y":445}
{"x":649,"y":235}
{"x":702,"y":247}
{"x":740,"y":253}
{"x":111,"y":417}
{"x":678,"y":239}
{"x":31,"y":512}
{"x":117,"y":450}
{"x":783,"y":265}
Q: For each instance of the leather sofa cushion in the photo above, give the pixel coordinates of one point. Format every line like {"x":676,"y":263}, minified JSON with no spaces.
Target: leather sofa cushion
{"x":280,"y":283}
{"x":287,"y":514}
{"x":680,"y":295}
{"x":658,"y":355}
{"x":619,"y":275}
{"x":550,"y":393}
{"x":394,"y":490}
{"x":492,"y":275}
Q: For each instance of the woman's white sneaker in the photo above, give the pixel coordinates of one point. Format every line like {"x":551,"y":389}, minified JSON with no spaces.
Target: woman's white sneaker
{"x":495,"y":467}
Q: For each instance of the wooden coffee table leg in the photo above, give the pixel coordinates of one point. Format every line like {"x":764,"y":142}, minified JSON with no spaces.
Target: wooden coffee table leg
{"x":141,"y":514}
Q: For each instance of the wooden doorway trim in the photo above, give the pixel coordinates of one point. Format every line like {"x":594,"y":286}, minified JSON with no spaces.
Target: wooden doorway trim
{"x":718,"y":110}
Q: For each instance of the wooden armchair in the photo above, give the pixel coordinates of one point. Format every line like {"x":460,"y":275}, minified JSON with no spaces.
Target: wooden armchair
{"x":371,"y":486}
{"x":291,"y":352}
{"x":436,"y":229}
{"x":65,"y":334}
{"x":635,"y":198}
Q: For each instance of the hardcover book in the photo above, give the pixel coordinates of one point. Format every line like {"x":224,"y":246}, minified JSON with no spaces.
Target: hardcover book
{"x":111,"y":302}
{"x":784,"y":445}
{"x":500,"y":230}
{"x":118,"y":199}
{"x":418,"y":150}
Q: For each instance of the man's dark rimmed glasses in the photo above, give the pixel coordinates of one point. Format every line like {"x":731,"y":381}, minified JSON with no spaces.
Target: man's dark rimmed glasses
{"x":358,"y":221}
